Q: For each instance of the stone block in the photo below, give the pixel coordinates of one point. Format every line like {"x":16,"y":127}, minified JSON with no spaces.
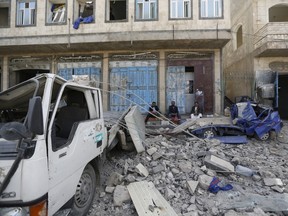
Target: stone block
{"x":192,"y":185}
{"x":218,"y":164}
{"x":142,"y":170}
{"x":120,"y":195}
{"x":204,"y":181}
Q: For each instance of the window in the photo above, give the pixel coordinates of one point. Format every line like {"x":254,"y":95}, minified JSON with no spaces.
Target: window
{"x":26,"y":12}
{"x":146,"y":9}
{"x":116,"y":10}
{"x":239,"y":37}
{"x":211,"y":8}
{"x":180,"y":9}
{"x":84,"y":8}
{"x":56,"y":11}
{"x":4,"y":13}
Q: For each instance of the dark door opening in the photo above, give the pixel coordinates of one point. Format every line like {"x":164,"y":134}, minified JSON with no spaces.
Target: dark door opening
{"x":283,"y":96}
{"x":23,"y":75}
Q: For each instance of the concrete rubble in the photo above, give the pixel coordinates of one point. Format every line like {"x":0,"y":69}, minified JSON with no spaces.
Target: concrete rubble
{"x":181,"y":169}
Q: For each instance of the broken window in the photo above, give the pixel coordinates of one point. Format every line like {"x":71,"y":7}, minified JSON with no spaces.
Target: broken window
{"x":26,"y":12}
{"x":146,"y":9}
{"x":56,"y":11}
{"x":84,"y":8}
{"x":211,"y":8}
{"x":4,"y":13}
{"x":116,"y":10}
{"x":180,"y":9}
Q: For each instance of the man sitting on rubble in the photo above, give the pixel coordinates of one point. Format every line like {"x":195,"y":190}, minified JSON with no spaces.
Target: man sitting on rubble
{"x":153,"y":111}
{"x":196,"y":111}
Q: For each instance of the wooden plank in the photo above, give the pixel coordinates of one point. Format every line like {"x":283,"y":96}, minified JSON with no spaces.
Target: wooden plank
{"x":148,"y":201}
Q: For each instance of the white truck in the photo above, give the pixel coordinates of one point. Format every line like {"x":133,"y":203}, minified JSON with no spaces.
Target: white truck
{"x":52,"y":138}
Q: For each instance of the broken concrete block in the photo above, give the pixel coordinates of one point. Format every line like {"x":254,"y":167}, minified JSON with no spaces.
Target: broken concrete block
{"x":158,"y":169}
{"x":185,"y":166}
{"x":142,"y":170}
{"x":218,"y":164}
{"x":193,"y":213}
{"x":115,"y":179}
{"x":151,"y":151}
{"x":102,"y":194}
{"x":204,"y":181}
{"x":273,"y":182}
{"x":169,"y":193}
{"x":121,"y":195}
{"x":156,"y":156}
{"x":277,"y":189}
{"x":109,"y":189}
{"x":192,"y":185}
{"x":148,"y":200}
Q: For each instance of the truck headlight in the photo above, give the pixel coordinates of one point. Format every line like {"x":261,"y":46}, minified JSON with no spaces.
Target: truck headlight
{"x":39,"y":209}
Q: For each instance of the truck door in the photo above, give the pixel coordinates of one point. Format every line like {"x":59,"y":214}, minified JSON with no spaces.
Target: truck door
{"x":76,"y":135}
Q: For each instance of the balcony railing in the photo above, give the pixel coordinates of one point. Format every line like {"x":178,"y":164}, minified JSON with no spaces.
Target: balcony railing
{"x":272,"y":32}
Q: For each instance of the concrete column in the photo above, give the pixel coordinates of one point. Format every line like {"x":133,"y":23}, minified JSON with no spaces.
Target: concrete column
{"x":5,"y":73}
{"x":105,"y":85}
{"x":162,"y":82}
{"x":218,"y":83}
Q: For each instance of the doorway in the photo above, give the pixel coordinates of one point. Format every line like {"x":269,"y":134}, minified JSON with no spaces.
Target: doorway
{"x":189,"y":89}
{"x":23,"y":75}
{"x":283,"y":96}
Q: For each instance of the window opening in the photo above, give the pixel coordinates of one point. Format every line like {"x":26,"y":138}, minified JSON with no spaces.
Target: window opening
{"x":26,"y":12}
{"x":211,"y":8}
{"x":146,"y":9}
{"x":180,"y":8}
{"x":56,"y":12}
{"x":116,"y":10}
{"x":278,"y":13}
{"x":4,"y":13}
{"x":239,"y":37}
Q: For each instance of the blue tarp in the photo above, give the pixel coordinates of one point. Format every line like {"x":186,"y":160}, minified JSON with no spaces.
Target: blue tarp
{"x":88,"y":19}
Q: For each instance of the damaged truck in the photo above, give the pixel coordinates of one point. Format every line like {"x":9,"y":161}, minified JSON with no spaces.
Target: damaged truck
{"x":52,"y":141}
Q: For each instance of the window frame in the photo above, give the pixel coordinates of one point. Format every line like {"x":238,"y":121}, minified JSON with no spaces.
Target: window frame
{"x":208,"y":4}
{"x":190,"y":6}
{"x":33,"y":16}
{"x":76,"y":10}
{"x":9,"y":15}
{"x":150,"y":3}
{"x":108,"y":9}
{"x":48,"y":13}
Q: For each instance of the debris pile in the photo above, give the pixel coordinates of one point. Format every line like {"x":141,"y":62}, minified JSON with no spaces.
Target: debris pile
{"x":173,"y":177}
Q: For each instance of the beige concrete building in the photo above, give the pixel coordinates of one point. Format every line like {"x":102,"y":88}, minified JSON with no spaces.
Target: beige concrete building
{"x":136,"y":51}
{"x":257,"y":55}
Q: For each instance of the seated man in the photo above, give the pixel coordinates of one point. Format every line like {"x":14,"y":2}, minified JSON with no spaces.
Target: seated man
{"x":153,"y":111}
{"x":173,"y":111}
{"x":196,"y":111}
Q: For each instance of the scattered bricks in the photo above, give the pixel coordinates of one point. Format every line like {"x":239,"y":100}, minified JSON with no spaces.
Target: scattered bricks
{"x":121,"y":195}
{"x":115,"y":179}
{"x":142,"y":170}
{"x":158,"y":169}
{"x":273,"y":182}
{"x":192,"y":185}
{"x":204,"y":181}
{"x":218,"y":164}
{"x":151,"y":151}
{"x":185,"y":166}
{"x":109,"y":189}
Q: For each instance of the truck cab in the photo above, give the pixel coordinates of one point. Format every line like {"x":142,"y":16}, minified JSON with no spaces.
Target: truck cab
{"x":52,"y":137}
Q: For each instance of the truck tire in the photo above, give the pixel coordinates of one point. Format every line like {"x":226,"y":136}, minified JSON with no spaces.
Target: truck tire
{"x":85,"y":192}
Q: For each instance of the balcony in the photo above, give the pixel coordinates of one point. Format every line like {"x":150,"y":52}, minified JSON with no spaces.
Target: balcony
{"x":271,"y":40}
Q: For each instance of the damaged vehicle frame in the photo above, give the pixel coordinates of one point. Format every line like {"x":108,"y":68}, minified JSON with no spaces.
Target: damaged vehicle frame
{"x":52,"y":139}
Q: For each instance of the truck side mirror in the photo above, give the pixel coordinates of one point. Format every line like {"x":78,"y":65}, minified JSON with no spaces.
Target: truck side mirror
{"x":35,"y":116}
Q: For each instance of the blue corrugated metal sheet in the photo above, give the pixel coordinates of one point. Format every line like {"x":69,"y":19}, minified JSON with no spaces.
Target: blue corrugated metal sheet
{"x":93,"y":73}
{"x":132,"y":85}
{"x":175,"y":82}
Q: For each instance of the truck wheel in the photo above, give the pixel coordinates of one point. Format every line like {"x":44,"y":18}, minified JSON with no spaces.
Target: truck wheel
{"x":85,"y":192}
{"x":264,"y":137}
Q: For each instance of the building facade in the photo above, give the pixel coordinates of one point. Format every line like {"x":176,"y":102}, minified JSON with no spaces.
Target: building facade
{"x":257,"y":55}
{"x":136,"y":51}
